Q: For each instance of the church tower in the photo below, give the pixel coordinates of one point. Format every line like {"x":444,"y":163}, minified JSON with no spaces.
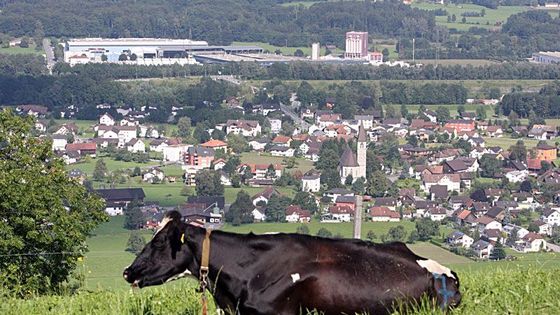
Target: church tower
{"x":361,"y":154}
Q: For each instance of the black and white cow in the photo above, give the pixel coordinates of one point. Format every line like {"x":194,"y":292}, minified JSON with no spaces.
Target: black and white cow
{"x":288,"y":273}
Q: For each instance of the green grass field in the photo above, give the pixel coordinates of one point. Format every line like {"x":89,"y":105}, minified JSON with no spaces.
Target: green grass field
{"x":18,"y":50}
{"x":488,"y":21}
{"x":112,"y":165}
{"x":505,"y":142}
{"x":453,"y":62}
{"x":475,"y":87}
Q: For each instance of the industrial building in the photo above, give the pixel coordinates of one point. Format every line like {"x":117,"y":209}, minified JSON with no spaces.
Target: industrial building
{"x":140,"y":50}
{"x":546,"y":57}
{"x":356,"y":45}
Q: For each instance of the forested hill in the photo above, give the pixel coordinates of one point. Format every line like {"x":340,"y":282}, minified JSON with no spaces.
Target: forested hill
{"x":217,"y":21}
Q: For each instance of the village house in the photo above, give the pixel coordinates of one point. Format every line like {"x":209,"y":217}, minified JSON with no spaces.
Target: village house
{"x":531,"y":243}
{"x":259,"y":144}
{"x":383,"y":214}
{"x":311,"y":183}
{"x":32,"y":110}
{"x":215,"y":145}
{"x":436,"y":213}
{"x":452,"y":181}
{"x":296,"y":214}
{"x":157,"y":145}
{"x":542,"y":132}
{"x":495,"y":131}
{"x":175,"y":152}
{"x":284,"y":151}
{"x":246,"y":128}
{"x":366,"y":121}
{"x":551,"y":216}
{"x":546,"y":152}
{"x":340,"y":213}
{"x":461,"y":165}
{"x":264,"y":196}
{"x":136,"y":146}
{"x":106,"y":120}
{"x":460,"y":125}
{"x":153,"y":173}
{"x":389,"y":202}
{"x":488,"y":223}
{"x":326,"y":119}
{"x":59,"y":142}
{"x":41,"y":126}
{"x":117,"y":199}
{"x":66,"y":129}
{"x":275,"y":125}
{"x":544,"y":228}
{"x":346,"y":201}
{"x":482,"y":249}
{"x":85,"y":148}
{"x":218,"y":164}
{"x":458,"y":238}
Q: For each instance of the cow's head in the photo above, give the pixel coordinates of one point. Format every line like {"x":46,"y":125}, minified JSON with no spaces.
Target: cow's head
{"x":166,"y":257}
{"x":445,"y":283}
{"x":446,"y":287}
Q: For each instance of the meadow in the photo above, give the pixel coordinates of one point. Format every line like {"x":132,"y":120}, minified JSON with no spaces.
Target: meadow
{"x":528,"y":285}
{"x":18,"y":50}
{"x":491,"y":20}
{"x":475,"y":88}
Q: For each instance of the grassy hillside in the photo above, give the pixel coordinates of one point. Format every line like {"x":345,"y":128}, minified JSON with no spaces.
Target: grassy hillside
{"x":517,"y":290}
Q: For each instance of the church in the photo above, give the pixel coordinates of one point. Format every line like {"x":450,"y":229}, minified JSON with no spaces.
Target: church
{"x":354,"y":164}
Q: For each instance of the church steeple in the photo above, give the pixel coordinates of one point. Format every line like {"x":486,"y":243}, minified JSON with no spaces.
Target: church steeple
{"x":361,"y":154}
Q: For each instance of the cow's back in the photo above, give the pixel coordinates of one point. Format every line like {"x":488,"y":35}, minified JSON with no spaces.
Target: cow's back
{"x":342,"y":275}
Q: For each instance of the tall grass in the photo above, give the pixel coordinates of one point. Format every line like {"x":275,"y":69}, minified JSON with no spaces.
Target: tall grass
{"x":512,"y":290}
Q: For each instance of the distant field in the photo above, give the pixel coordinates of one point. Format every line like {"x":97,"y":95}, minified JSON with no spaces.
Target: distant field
{"x":18,"y":50}
{"x":452,"y":62}
{"x":264,"y":158}
{"x":112,"y":165}
{"x":413,"y":108}
{"x":505,"y":142}
{"x":475,"y":87}
{"x":488,"y":21}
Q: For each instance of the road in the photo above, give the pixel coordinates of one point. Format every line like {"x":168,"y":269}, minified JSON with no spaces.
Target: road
{"x":295,"y":117}
{"x":285,"y":109}
{"x":49,"y":53}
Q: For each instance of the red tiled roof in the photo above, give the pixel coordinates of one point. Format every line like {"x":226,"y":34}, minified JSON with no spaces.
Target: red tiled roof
{"x":383,"y":212}
{"x":89,"y":146}
{"x":213,"y":144}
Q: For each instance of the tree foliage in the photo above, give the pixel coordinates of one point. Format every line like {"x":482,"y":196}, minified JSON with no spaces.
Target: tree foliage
{"x":426,"y":229}
{"x":208,"y":183}
{"x":133,"y":217}
{"x":240,"y":212}
{"x":46,"y":216}
{"x":135,"y":243}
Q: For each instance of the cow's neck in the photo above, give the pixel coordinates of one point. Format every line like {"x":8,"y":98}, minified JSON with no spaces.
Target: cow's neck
{"x":225,"y":273}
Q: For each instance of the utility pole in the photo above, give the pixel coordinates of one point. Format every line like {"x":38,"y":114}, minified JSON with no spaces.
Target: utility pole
{"x":413,"y":48}
{"x":358,"y":218}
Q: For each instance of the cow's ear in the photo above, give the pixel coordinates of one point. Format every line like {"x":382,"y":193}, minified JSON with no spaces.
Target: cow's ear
{"x":177,"y":237}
